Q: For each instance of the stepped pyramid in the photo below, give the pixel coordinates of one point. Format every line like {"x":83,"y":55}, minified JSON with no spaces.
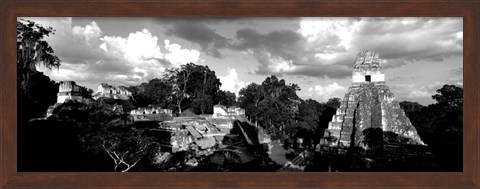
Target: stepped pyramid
{"x":369,"y":104}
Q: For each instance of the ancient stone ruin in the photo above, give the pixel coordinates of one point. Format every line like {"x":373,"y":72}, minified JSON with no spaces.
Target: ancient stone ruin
{"x":70,"y":91}
{"x":106,"y":90}
{"x":223,"y":111}
{"x":151,"y":113}
{"x":368,"y":107}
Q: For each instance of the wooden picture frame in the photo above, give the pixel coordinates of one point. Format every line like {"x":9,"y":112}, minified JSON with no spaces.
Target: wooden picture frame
{"x":10,"y":10}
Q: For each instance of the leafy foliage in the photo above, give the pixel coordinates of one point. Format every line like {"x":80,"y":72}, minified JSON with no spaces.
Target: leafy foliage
{"x":226,"y":98}
{"x":35,"y":90}
{"x":194,"y":86}
{"x":276,"y":107}
{"x":274,"y":104}
{"x":108,"y":132}
{"x":156,"y":92}
{"x":189,"y":86}
{"x":32,"y":50}
{"x":449,"y":95}
{"x":440,"y":125}
{"x":333,"y":103}
{"x":411,"y":107}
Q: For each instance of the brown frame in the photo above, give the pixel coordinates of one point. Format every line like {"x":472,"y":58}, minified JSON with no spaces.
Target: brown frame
{"x":11,"y":9}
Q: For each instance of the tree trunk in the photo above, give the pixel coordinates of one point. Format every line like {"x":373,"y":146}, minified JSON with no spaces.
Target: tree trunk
{"x":179,"y":107}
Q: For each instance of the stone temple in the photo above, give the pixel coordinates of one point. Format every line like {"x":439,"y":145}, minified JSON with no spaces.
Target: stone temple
{"x":369,"y":105}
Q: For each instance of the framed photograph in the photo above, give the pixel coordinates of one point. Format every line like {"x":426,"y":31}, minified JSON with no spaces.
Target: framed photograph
{"x":239,"y":94}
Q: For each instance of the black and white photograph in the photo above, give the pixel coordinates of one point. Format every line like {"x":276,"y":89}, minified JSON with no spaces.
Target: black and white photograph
{"x":240,"y":94}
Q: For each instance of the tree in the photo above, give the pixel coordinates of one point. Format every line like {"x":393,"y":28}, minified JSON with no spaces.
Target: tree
{"x":411,"y":107}
{"x":279,"y":89}
{"x":445,"y":122}
{"x":450,"y":95}
{"x":333,"y":103}
{"x":178,"y":78}
{"x":35,"y":90}
{"x":157,"y":92}
{"x":249,"y":98}
{"x":274,"y":104}
{"x":139,"y":96}
{"x":32,"y":50}
{"x":206,"y":87}
{"x":107,"y":132}
{"x":203,"y":102}
{"x":190,"y":81}
{"x":448,"y":111}
{"x":125,"y":146}
{"x":226,"y":98}
{"x":309,"y":115}
{"x":440,"y":125}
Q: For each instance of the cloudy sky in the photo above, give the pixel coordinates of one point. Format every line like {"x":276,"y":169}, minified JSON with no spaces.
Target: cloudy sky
{"x":419,"y":54}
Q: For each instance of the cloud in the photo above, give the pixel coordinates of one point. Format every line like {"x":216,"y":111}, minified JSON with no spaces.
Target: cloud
{"x":67,"y":72}
{"x":138,"y":51}
{"x":140,"y":46}
{"x":327,"y":47}
{"x":286,"y":52}
{"x":282,"y":43}
{"x":89,"y":32}
{"x":456,"y":73}
{"x":315,"y":47}
{"x":331,"y":33}
{"x":322,"y":42}
{"x":272,"y":64}
{"x":200,"y":33}
{"x":90,"y":57}
{"x":73,"y":44}
{"x":335,"y":71}
{"x":279,"y":52}
{"x":420,"y":93}
{"x":322,"y":94}
{"x":405,"y":40}
{"x":231,"y":82}
{"x":141,"y":51}
{"x":177,"y":56}
{"x":398,"y":40}
{"x":78,"y":48}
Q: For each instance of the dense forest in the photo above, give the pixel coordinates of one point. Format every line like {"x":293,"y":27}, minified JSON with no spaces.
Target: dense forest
{"x":97,"y":132}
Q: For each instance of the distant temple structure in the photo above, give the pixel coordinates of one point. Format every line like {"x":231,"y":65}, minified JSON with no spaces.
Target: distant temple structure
{"x":115,"y":92}
{"x":221,"y":110}
{"x":70,"y":91}
{"x":151,"y":113}
{"x":368,"y":107}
